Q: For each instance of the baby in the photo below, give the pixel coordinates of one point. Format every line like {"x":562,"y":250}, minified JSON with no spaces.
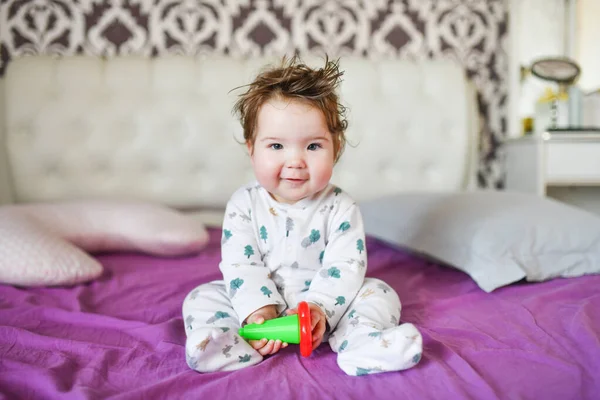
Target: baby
{"x":292,"y":236}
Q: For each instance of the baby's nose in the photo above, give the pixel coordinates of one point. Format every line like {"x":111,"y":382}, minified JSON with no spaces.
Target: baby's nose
{"x":295,"y":161}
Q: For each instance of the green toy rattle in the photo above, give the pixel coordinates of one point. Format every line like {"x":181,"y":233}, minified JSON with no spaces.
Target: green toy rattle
{"x":294,"y":329}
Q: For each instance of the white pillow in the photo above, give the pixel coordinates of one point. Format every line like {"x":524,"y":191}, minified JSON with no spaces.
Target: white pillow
{"x":496,"y":237}
{"x":41,"y":238}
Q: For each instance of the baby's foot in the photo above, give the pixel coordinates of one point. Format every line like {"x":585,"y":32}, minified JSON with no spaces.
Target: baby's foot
{"x":219,"y":349}
{"x":368,"y":351}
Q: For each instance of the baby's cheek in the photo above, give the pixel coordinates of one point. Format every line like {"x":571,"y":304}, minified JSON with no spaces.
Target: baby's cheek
{"x":322,"y":175}
{"x":266,"y":174}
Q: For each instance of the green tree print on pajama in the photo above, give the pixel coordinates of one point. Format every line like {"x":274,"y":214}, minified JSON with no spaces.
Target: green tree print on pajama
{"x":332,"y":272}
{"x":265,"y":290}
{"x":306,"y":285}
{"x":226,"y":235}
{"x":343,"y":346}
{"x":263,"y":233}
{"x":218,"y":315}
{"x":314,"y":237}
{"x":289,"y":226}
{"x":248,"y":251}
{"x":365,"y":371}
{"x":360,"y":246}
{"x":344,"y":226}
{"x":245,"y":358}
{"x":234,"y":285}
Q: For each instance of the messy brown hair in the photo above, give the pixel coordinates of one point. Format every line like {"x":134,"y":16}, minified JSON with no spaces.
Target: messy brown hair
{"x":294,"y":80}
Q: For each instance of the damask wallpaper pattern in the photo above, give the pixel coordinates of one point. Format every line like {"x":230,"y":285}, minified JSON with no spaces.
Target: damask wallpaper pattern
{"x":473,"y":32}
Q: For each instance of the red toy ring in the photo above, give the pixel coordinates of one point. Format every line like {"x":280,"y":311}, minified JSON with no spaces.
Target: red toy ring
{"x":305,"y":329}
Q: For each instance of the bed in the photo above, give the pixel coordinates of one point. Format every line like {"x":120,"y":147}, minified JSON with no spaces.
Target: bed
{"x":160,"y":132}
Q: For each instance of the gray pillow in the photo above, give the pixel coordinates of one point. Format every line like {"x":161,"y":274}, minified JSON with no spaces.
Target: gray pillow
{"x":496,"y":237}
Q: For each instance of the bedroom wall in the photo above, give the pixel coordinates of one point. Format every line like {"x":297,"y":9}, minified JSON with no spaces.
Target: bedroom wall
{"x":550,"y":28}
{"x":586,"y":50}
{"x":473,"y":32}
{"x":537,"y":30}
{"x":5,"y":182}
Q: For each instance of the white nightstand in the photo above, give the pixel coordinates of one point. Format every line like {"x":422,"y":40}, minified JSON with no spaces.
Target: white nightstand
{"x":563,"y":165}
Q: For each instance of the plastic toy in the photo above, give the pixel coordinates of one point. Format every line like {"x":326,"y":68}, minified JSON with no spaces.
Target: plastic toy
{"x":294,"y":329}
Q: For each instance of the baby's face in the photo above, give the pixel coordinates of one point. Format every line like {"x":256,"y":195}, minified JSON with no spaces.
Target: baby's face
{"x":292,"y":154}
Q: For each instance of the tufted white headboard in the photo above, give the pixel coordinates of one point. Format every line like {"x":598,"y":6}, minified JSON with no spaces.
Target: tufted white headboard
{"x":162,"y":129}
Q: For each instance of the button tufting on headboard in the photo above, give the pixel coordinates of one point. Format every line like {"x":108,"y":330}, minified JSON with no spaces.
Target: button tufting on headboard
{"x":162,"y":128}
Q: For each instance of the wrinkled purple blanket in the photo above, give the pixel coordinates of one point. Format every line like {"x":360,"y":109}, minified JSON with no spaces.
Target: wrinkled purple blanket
{"x":122,"y":336}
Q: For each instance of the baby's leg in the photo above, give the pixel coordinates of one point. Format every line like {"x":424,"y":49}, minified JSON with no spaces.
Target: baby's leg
{"x":211,"y":327}
{"x":368,"y":338}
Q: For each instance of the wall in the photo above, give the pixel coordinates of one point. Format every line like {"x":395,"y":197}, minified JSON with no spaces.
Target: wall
{"x":473,"y":32}
{"x":587,"y":46}
{"x":537,"y":30}
{"x":542,"y":28}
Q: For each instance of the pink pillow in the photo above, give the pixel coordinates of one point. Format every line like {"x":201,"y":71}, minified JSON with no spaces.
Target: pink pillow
{"x":103,"y":225}
{"x":32,"y":256}
{"x":33,"y":234}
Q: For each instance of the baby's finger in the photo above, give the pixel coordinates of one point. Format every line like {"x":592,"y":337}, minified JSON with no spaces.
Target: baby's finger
{"x":317,"y":341}
{"x":258,"y":344}
{"x":317,"y":333}
{"x":276,"y":346}
{"x":314,"y":320}
{"x":267,"y":349}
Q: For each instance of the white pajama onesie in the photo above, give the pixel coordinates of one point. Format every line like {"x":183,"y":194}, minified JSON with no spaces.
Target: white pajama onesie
{"x":281,"y":254}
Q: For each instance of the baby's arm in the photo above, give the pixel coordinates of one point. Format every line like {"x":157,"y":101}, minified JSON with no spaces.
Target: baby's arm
{"x":342,"y":274}
{"x":246,"y":277}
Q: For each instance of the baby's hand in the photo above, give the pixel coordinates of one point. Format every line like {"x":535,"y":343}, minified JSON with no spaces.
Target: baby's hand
{"x":318,"y":321}
{"x":264,"y":346}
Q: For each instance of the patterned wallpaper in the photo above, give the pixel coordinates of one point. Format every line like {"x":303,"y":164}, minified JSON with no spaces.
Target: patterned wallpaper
{"x":473,"y":32}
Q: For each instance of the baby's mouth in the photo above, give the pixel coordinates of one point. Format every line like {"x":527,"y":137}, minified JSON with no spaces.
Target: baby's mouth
{"x":294,"y":180}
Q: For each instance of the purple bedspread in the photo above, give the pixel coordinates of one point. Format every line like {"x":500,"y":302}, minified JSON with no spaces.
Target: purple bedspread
{"x":122,"y":336}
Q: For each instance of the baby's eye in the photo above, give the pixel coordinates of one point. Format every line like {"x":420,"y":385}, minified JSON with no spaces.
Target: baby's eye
{"x":314,"y":146}
{"x":276,"y":146}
